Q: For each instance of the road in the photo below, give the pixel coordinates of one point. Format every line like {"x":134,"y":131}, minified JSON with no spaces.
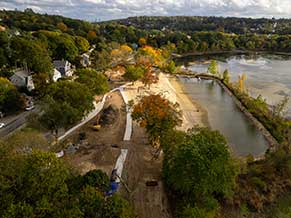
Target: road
{"x":13,"y":123}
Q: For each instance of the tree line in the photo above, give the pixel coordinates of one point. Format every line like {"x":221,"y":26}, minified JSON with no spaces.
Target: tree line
{"x":187,"y":24}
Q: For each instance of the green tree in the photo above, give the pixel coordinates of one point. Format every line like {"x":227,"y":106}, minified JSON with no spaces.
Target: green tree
{"x":201,"y":165}
{"x":170,"y":67}
{"x":134,"y":73}
{"x":3,"y":58}
{"x":94,"y":80}
{"x":10,"y":99}
{"x":226,"y":76}
{"x":31,"y":53}
{"x":82,"y":44}
{"x":191,"y":212}
{"x":66,"y":103}
{"x":213,"y":68}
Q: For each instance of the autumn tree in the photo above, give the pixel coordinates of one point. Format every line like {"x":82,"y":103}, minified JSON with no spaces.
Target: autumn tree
{"x":154,"y":54}
{"x":121,"y":54}
{"x":142,"y":42}
{"x":63,"y":27}
{"x":91,"y":36}
{"x":241,"y":82}
{"x":149,"y":78}
{"x":157,"y":114}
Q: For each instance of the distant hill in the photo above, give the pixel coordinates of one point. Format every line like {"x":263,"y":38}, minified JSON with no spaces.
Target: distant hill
{"x":31,"y":21}
{"x":197,"y":23}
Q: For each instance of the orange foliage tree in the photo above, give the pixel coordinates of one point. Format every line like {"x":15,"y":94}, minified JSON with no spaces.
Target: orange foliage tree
{"x":63,"y":27}
{"x":152,"y":53}
{"x":121,"y":53}
{"x":142,"y":41}
{"x":241,"y":82}
{"x":91,"y":35}
{"x":158,"y":115}
{"x":149,"y":78}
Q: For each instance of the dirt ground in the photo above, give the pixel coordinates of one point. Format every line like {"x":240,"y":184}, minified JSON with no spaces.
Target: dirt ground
{"x":140,"y":167}
{"x":100,"y":150}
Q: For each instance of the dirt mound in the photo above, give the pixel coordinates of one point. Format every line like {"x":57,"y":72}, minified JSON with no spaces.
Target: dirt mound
{"x":109,"y":115}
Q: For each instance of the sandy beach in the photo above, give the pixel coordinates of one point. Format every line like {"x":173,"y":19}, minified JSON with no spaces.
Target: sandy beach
{"x":169,"y":87}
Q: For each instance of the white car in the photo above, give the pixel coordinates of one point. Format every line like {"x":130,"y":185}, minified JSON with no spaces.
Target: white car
{"x":2,"y":125}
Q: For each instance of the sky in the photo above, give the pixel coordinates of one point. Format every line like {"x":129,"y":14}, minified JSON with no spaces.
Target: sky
{"x":98,"y":10}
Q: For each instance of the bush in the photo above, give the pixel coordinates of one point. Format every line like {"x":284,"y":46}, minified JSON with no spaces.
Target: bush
{"x":96,"y":178}
{"x":195,"y":212}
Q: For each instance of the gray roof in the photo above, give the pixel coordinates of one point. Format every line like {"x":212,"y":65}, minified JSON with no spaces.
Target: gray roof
{"x":59,"y":63}
{"x":22,"y":73}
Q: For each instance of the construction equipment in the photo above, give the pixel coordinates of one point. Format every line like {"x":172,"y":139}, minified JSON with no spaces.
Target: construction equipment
{"x":96,"y":127}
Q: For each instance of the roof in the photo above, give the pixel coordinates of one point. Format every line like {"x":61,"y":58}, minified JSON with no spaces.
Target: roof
{"x":22,"y":73}
{"x":85,"y":55}
{"x":60,"y":63}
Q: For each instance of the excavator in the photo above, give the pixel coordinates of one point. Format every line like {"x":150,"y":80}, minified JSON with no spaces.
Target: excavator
{"x":96,"y":126}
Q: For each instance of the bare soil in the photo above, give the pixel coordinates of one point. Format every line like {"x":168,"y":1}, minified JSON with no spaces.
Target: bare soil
{"x":140,"y":168}
{"x":101,"y":149}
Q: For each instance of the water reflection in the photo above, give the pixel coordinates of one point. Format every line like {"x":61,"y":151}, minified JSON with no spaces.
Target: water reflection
{"x":225,"y":116}
{"x":269,"y":75}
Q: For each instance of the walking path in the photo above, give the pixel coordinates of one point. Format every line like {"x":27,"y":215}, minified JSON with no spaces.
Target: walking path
{"x":128,"y":128}
{"x":98,"y":107}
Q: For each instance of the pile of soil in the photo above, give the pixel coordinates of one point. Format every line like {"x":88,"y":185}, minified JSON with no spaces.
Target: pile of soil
{"x":109,"y":115}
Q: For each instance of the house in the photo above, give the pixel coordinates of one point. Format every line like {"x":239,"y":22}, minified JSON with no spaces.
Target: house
{"x":85,"y":60}
{"x":22,"y":78}
{"x":56,"y":75}
{"x":64,"y":67}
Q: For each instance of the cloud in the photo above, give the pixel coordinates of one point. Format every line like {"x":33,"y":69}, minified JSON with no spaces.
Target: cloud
{"x":112,"y":9}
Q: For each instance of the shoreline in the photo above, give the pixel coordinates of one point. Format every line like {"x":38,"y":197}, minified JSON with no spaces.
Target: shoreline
{"x":192,"y":113}
{"x":234,"y":52}
{"x":270,"y":139}
{"x":196,"y":108}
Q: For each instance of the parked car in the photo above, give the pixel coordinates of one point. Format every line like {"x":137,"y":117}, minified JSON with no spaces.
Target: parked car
{"x":2,"y":125}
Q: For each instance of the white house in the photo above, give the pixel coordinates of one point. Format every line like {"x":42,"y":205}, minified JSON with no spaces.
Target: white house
{"x":85,"y":58}
{"x":22,"y":78}
{"x":56,"y":75}
{"x":64,"y":67}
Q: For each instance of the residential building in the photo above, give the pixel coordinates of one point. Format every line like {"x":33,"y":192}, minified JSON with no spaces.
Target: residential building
{"x":64,"y":67}
{"x":22,"y":78}
{"x":56,"y":75}
{"x":85,"y":60}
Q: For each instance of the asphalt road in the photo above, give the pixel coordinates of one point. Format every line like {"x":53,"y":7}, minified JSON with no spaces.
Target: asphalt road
{"x":15,"y":123}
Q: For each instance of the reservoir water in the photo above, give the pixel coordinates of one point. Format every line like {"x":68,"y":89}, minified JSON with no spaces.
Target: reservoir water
{"x":268,"y":75}
{"x":225,"y":116}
